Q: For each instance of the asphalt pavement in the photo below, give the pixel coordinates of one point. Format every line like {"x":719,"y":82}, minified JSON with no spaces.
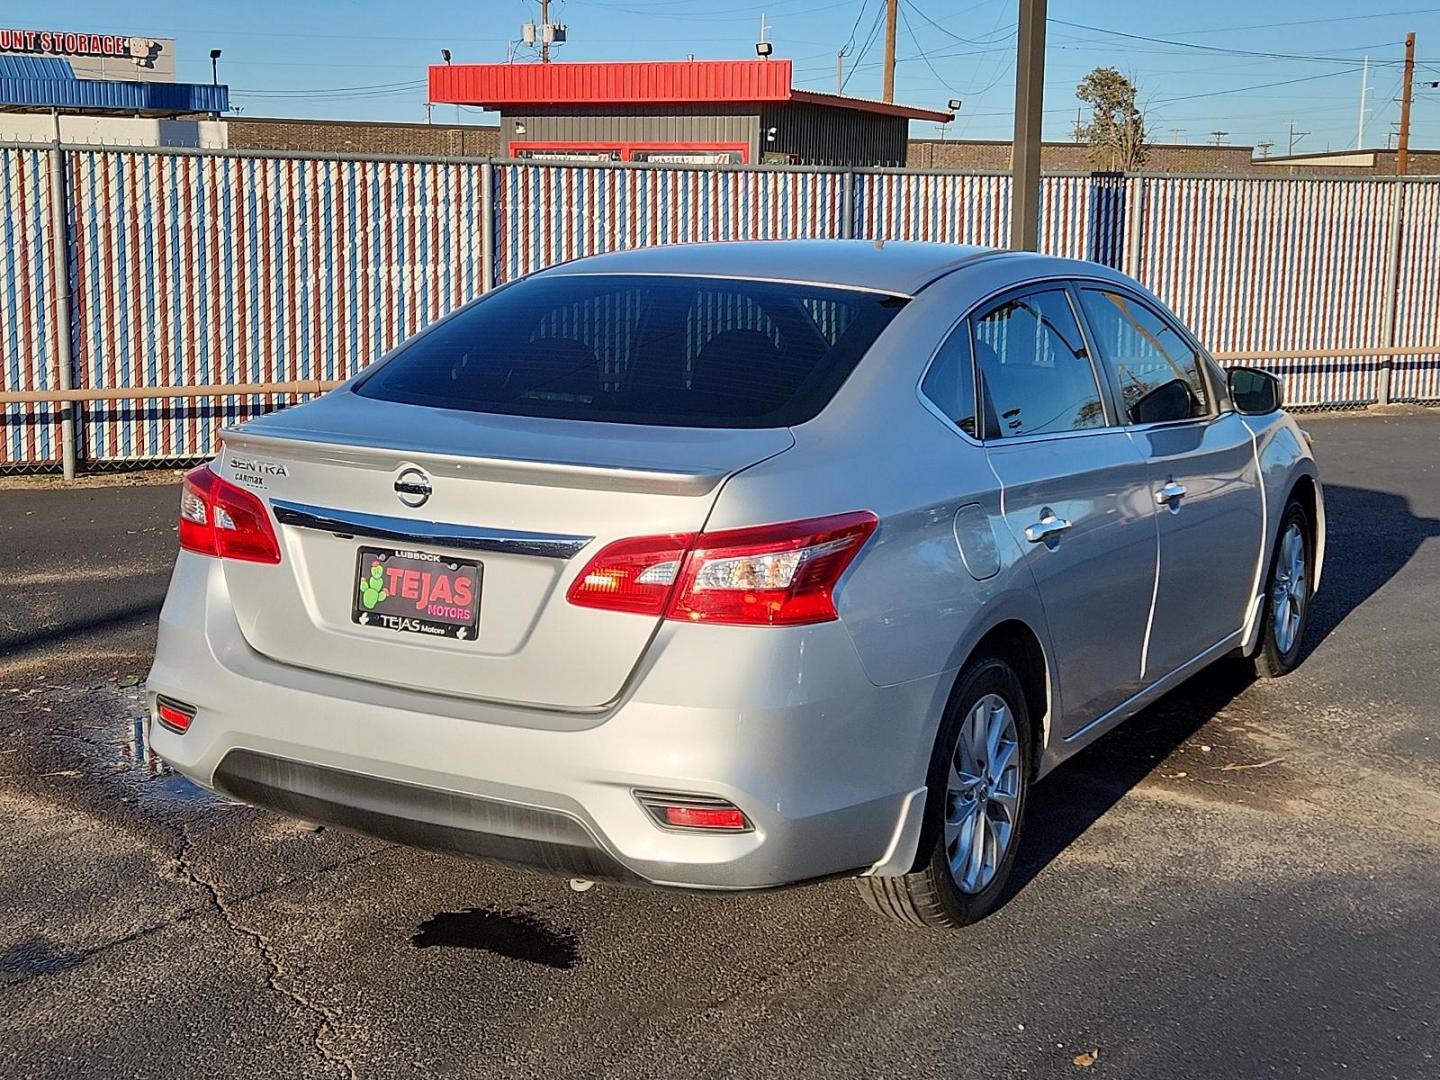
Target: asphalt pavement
{"x":1244,"y":881}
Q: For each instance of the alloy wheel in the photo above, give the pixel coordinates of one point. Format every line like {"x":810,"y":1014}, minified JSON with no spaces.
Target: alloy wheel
{"x":982,"y":797}
{"x":1288,"y":594}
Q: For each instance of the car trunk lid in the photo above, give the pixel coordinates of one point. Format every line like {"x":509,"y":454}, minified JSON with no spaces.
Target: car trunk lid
{"x":529,"y":500}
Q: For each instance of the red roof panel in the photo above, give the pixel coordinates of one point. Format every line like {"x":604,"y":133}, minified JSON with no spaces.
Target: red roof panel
{"x":501,"y":85}
{"x":508,"y":86}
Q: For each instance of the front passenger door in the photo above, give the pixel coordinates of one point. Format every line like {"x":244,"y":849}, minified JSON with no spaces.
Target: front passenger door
{"x":1202,"y":475}
{"x":1075,"y":496}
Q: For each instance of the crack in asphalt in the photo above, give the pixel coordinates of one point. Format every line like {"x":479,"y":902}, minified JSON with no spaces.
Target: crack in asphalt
{"x":327,"y":1026}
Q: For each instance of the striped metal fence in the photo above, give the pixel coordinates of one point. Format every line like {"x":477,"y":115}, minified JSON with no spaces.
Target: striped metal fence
{"x":232,"y":271}
{"x":29,"y":358}
{"x":207,"y":270}
{"x":548,"y":214}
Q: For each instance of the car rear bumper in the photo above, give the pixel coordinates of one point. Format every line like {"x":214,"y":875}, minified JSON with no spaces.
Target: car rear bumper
{"x":781,"y":722}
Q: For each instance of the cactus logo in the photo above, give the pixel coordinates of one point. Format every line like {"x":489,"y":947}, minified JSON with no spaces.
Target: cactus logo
{"x":372,"y":588}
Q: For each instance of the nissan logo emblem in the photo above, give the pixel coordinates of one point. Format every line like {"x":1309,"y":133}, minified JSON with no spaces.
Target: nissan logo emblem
{"x":413,"y":487}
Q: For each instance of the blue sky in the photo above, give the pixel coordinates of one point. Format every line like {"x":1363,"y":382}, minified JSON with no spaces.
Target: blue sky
{"x":359,"y":59}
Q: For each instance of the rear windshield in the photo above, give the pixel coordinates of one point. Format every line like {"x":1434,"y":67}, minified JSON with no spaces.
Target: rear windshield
{"x":632,"y":349}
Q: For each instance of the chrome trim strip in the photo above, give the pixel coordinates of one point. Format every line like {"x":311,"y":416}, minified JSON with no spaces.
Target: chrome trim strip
{"x":439,"y":534}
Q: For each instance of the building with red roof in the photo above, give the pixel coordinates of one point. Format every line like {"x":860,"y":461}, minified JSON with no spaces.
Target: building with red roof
{"x":711,"y":112}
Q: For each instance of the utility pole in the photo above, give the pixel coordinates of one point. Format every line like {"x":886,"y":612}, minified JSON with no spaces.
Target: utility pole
{"x":1295,"y":136}
{"x":1029,"y":112}
{"x":1219,"y":136}
{"x":1079,"y":128}
{"x":1364,"y":89}
{"x":1402,"y":156}
{"x":892,"y":15}
{"x":840,"y":65}
{"x":544,"y":31}
{"x":1176,"y":133}
{"x":1264,"y":147}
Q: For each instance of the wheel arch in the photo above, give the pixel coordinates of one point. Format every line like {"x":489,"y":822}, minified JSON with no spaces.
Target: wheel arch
{"x":1016,"y":642}
{"x":1305,"y":489}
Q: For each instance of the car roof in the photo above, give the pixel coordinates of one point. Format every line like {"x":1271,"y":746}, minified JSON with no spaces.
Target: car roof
{"x":901,"y":267}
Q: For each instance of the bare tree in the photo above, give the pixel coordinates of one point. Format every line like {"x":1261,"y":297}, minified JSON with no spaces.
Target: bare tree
{"x":1116,"y":132}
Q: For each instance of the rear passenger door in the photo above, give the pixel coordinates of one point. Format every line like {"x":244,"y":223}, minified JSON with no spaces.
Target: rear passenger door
{"x":1075,"y":495}
{"x":1202,"y":470}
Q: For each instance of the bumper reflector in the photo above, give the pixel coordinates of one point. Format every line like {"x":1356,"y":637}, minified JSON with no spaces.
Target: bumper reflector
{"x":696,"y":817}
{"x":701,"y":813}
{"x":174,"y":715}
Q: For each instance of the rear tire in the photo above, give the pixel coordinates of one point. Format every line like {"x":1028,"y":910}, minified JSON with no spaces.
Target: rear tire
{"x":978,"y":785}
{"x":1287,"y":596}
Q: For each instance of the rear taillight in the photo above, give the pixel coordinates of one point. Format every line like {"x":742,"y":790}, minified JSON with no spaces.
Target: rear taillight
{"x":632,"y":575}
{"x":767,"y":575}
{"x":218,"y":518}
{"x":771,"y":575}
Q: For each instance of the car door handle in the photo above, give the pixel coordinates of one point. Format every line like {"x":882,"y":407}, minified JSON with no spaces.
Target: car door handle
{"x":1046,"y":527}
{"x":1169,"y":493}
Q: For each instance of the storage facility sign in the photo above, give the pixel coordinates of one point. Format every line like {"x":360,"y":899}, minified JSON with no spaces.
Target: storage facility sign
{"x":65,"y":43}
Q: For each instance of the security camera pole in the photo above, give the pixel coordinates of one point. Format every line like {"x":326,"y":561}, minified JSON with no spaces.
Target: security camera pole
{"x":1029,"y":109}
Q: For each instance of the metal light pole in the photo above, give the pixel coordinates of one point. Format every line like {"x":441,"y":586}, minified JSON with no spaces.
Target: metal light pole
{"x":1029,"y":111}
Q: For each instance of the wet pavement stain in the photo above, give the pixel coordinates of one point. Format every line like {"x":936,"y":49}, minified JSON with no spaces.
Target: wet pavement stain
{"x":140,"y":762}
{"x":516,"y":935}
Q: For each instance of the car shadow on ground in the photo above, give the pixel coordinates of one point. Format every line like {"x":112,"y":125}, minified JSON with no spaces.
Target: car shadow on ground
{"x":1372,"y":535}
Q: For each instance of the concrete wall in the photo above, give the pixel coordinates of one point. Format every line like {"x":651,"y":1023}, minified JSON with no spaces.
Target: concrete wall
{"x":360,"y":137}
{"x":114,"y":130}
{"x":1351,"y":163}
{"x":1071,"y":157}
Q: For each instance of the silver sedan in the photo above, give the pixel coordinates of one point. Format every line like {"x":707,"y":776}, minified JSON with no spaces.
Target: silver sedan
{"x":734,"y":566}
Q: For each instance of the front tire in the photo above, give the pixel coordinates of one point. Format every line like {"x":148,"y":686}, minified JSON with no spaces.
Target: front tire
{"x":974,"y":809}
{"x":1288,"y":592}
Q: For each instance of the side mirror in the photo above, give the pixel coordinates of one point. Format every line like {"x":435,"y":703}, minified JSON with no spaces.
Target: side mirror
{"x":1254,"y":392}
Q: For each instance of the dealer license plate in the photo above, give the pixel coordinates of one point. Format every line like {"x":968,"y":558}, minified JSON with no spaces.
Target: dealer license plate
{"x":415,"y":592}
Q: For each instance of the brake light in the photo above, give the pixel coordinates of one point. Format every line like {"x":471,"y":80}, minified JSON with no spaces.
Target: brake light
{"x":632,"y":575}
{"x":767,"y":575}
{"x":770,"y":575}
{"x":217,"y":518}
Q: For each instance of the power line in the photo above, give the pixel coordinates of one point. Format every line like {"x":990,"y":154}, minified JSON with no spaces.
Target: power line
{"x":1309,"y":22}
{"x":856,"y":24}
{"x":1259,"y":86}
{"x":1221,"y":48}
{"x":869,"y":40}
{"x":921,"y":52}
{"x":950,"y":33}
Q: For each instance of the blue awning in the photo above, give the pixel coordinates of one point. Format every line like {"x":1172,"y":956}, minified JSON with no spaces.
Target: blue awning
{"x":35,"y":67}
{"x":43,"y":92}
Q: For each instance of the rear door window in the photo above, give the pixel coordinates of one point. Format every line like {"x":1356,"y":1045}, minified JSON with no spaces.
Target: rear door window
{"x":949,"y":385}
{"x":637,"y":349}
{"x":1036,"y":376}
{"x":1157,"y":374}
